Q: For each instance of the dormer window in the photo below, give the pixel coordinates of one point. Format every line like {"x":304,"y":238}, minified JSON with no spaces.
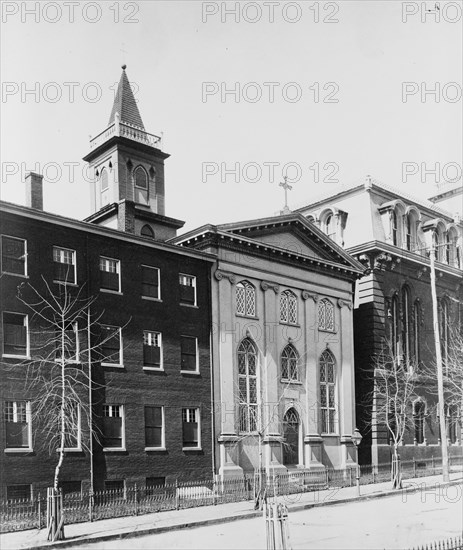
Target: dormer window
{"x":140,"y":178}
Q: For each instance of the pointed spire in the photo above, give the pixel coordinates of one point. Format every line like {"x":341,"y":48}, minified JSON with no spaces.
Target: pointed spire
{"x":125,"y":104}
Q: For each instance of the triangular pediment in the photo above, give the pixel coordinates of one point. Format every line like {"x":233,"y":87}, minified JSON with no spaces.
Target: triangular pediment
{"x":294,"y":233}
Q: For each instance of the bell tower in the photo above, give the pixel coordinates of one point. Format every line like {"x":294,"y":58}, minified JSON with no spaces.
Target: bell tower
{"x":127,"y":167}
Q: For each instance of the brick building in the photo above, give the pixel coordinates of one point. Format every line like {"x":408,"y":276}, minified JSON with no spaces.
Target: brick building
{"x":150,"y":333}
{"x":391,"y":234}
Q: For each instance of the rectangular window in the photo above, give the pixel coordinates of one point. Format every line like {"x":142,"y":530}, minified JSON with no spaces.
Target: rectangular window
{"x":189,"y":351}
{"x":110,"y":274}
{"x":151,"y":287}
{"x":191,"y":435}
{"x":64,"y":261}
{"x":71,"y":487}
{"x":18,"y":424}
{"x":67,"y":341}
{"x":72,"y":428}
{"x":111,"y":345}
{"x":187,"y":289}
{"x":15,"y":335}
{"x":152,"y":352}
{"x":114,"y":485}
{"x":153,"y":483}
{"x":154,"y":427}
{"x":14,"y":254}
{"x":18,"y":492}
{"x":113,"y":427}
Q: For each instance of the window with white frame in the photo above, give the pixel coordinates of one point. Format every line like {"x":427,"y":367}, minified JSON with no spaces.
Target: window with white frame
{"x":14,"y":256}
{"x":18,"y":425}
{"x":113,"y":427}
{"x":189,"y":353}
{"x":247,"y":385}
{"x":140,"y":178}
{"x":152,"y":349}
{"x":187,"y":285}
{"x":288,"y":307}
{"x":154,"y":427}
{"x":15,"y":335}
{"x":325,"y":315}
{"x":67,"y":343}
{"x":151,"y":284}
{"x":111,"y":345}
{"x":289,"y":361}
{"x":245,"y":299}
{"x":328,"y":392}
{"x":110,"y":274}
{"x":191,"y":428}
{"x":64,"y":260}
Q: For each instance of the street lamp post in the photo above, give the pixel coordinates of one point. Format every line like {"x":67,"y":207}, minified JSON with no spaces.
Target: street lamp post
{"x":356,"y":439}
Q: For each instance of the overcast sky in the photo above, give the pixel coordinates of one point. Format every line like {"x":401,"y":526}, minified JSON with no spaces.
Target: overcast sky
{"x":340,"y":108}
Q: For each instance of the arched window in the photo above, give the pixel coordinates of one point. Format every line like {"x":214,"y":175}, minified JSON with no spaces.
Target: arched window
{"x":288,"y":307}
{"x":327,"y":392}
{"x":140,"y":179}
{"x":419,"y":409}
{"x":245,"y":299}
{"x":104,"y":187}
{"x":289,"y":360}
{"x":247,"y":382}
{"x":451,"y":421}
{"x":444,"y":328}
{"x":330,"y":228}
{"x":395,"y":324}
{"x":325,"y":315}
{"x":409,"y":232}
{"x":394,"y":228}
{"x":147,"y":231}
{"x":406,"y":314}
{"x":291,"y":438}
{"x":416,"y":330}
{"x":451,"y":247}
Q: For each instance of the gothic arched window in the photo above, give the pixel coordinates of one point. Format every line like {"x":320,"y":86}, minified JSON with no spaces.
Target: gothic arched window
{"x":288,"y":307}
{"x":245,"y":299}
{"x":395,"y":325}
{"x":247,"y":383}
{"x":327,"y":366}
{"x":147,"y":231}
{"x":325,"y":315}
{"x":140,"y":178}
{"x":416,"y":330}
{"x":289,"y":360}
{"x":406,"y":313}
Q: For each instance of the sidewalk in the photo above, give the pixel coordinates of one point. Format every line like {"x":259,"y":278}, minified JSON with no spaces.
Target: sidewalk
{"x":132,"y":526}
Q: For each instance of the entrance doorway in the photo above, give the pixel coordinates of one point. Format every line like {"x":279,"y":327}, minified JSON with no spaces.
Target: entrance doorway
{"x":291,"y":438}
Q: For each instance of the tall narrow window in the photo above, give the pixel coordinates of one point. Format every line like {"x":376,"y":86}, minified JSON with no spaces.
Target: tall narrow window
{"x":325,"y":315}
{"x":111,"y":346}
{"x":151,"y":287}
{"x":247,"y":381}
{"x":14,"y":256}
{"x":245,"y":299}
{"x":191,"y":431}
{"x":330,"y":228}
{"x":406,"y":323}
{"x":110,"y":274}
{"x":289,"y":360}
{"x":419,"y":409}
{"x":395,"y":325}
{"x":328,"y":392}
{"x":189,"y":354}
{"x":288,"y":307}
{"x":451,"y":418}
{"x":444,"y":328}
{"x":18,"y":425}
{"x":67,"y":343}
{"x":416,"y":330}
{"x":187,"y":289}
{"x":152,"y":350}
{"x":113,"y":426}
{"x":64,"y":261}
{"x":394,"y":228}
{"x":409,"y":232}
{"x":15,"y":335}
{"x":141,"y":185}
{"x":72,"y":428}
{"x":154,"y":427}
{"x":104,"y":187}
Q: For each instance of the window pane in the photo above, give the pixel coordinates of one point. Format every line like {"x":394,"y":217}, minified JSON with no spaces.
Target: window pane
{"x":187,"y":294}
{"x":188,"y":353}
{"x":13,"y":255}
{"x":110,"y":347}
{"x":112,"y":432}
{"x":14,"y":334}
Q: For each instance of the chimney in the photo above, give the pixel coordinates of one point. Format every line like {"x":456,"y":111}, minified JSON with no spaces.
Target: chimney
{"x":34,"y":191}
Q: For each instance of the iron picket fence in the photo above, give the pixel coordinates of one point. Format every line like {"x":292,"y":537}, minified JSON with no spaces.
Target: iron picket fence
{"x":448,"y":544}
{"x":135,"y":500}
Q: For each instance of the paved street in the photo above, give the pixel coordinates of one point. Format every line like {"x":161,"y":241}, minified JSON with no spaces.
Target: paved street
{"x":397,"y":522}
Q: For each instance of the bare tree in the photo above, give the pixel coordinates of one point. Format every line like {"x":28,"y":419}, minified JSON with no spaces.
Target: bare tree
{"x":59,"y":376}
{"x":395,"y":381}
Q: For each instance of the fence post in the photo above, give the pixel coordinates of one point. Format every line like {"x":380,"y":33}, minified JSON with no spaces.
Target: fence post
{"x":214,"y":488}
{"x":350,"y":477}
{"x":39,"y":511}
{"x":414,"y":467}
{"x":373,"y":471}
{"x":177,"y":496}
{"x":432,"y":464}
{"x":135,"y":488}
{"x":327,"y":478}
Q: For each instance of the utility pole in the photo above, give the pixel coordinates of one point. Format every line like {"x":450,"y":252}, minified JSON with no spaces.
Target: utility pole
{"x":440,"y":378}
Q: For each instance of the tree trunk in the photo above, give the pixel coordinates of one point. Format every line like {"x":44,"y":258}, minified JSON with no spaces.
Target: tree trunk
{"x":396,"y":472}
